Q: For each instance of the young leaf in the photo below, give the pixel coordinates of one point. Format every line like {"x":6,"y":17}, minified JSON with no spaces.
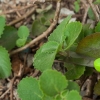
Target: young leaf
{"x":44,"y":61}
{"x":38,"y":28}
{"x":89,"y":46}
{"x":50,"y":46}
{"x":28,"y":89}
{"x":97,"y":88}
{"x":2,"y":25}
{"x":72,"y":32}
{"x":45,"y":56}
{"x":97,"y":28}
{"x":9,"y":37}
{"x":58,"y":33}
{"x":23,"y":32}
{"x":73,"y":86}
{"x":74,"y":71}
{"x":52,"y":82}
{"x":76,"y":6}
{"x":21,"y":42}
{"x":91,"y":14}
{"x":73,"y":95}
{"x":5,"y":65}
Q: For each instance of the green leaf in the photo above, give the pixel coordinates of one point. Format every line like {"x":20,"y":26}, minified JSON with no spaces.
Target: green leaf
{"x":21,"y":42}
{"x":59,"y":97}
{"x":72,"y":32}
{"x":29,"y":89}
{"x":58,"y":33}
{"x":73,"y":95}
{"x":74,"y":71}
{"x":44,"y":61}
{"x":97,"y":2}
{"x":97,"y":88}
{"x":68,"y":95}
{"x":73,"y":86}
{"x":9,"y":37}
{"x":23,"y":32}
{"x":45,"y":56}
{"x":38,"y":28}
{"x":82,"y":61}
{"x":47,"y":98}
{"x":49,"y":15}
{"x":52,"y":82}
{"x":5,"y":65}
{"x":76,"y":6}
{"x":90,"y":46}
{"x":97,"y":28}
{"x":2,"y":25}
{"x":91,"y":14}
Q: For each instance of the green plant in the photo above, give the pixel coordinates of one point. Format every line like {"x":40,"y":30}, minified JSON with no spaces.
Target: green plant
{"x":52,"y":85}
{"x":23,"y":33}
{"x":8,"y":40}
{"x":77,"y":5}
{"x":97,"y":64}
{"x":67,"y":43}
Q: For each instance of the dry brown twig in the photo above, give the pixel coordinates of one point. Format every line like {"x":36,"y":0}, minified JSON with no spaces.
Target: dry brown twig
{"x":3,"y":95}
{"x":16,"y":9}
{"x":86,"y":7}
{"x":45,"y":34}
{"x":23,"y":17}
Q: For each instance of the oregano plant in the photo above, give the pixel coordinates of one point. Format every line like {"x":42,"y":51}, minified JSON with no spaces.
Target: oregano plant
{"x":71,"y":42}
{"x":52,"y":84}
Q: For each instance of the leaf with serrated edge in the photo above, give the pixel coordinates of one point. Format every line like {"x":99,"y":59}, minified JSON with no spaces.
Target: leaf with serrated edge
{"x":45,"y":56}
{"x":73,"y":86}
{"x":9,"y":37}
{"x":50,"y":46}
{"x":72,"y":32}
{"x":29,"y":89}
{"x":44,"y":61}
{"x":2,"y":25}
{"x":5,"y":65}
{"x":74,"y":71}
{"x":90,"y":46}
{"x":52,"y":82}
{"x":58,"y":33}
{"x":23,"y":32}
{"x":73,"y":95}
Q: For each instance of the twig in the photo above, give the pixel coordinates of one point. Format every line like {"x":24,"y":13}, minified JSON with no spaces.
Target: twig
{"x":2,"y":96}
{"x":35,"y":73}
{"x":17,"y":9}
{"x":85,"y":15}
{"x":11,"y":88}
{"x":94,"y":10}
{"x":44,"y":33}
{"x":23,"y":17}
{"x":86,"y":10}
